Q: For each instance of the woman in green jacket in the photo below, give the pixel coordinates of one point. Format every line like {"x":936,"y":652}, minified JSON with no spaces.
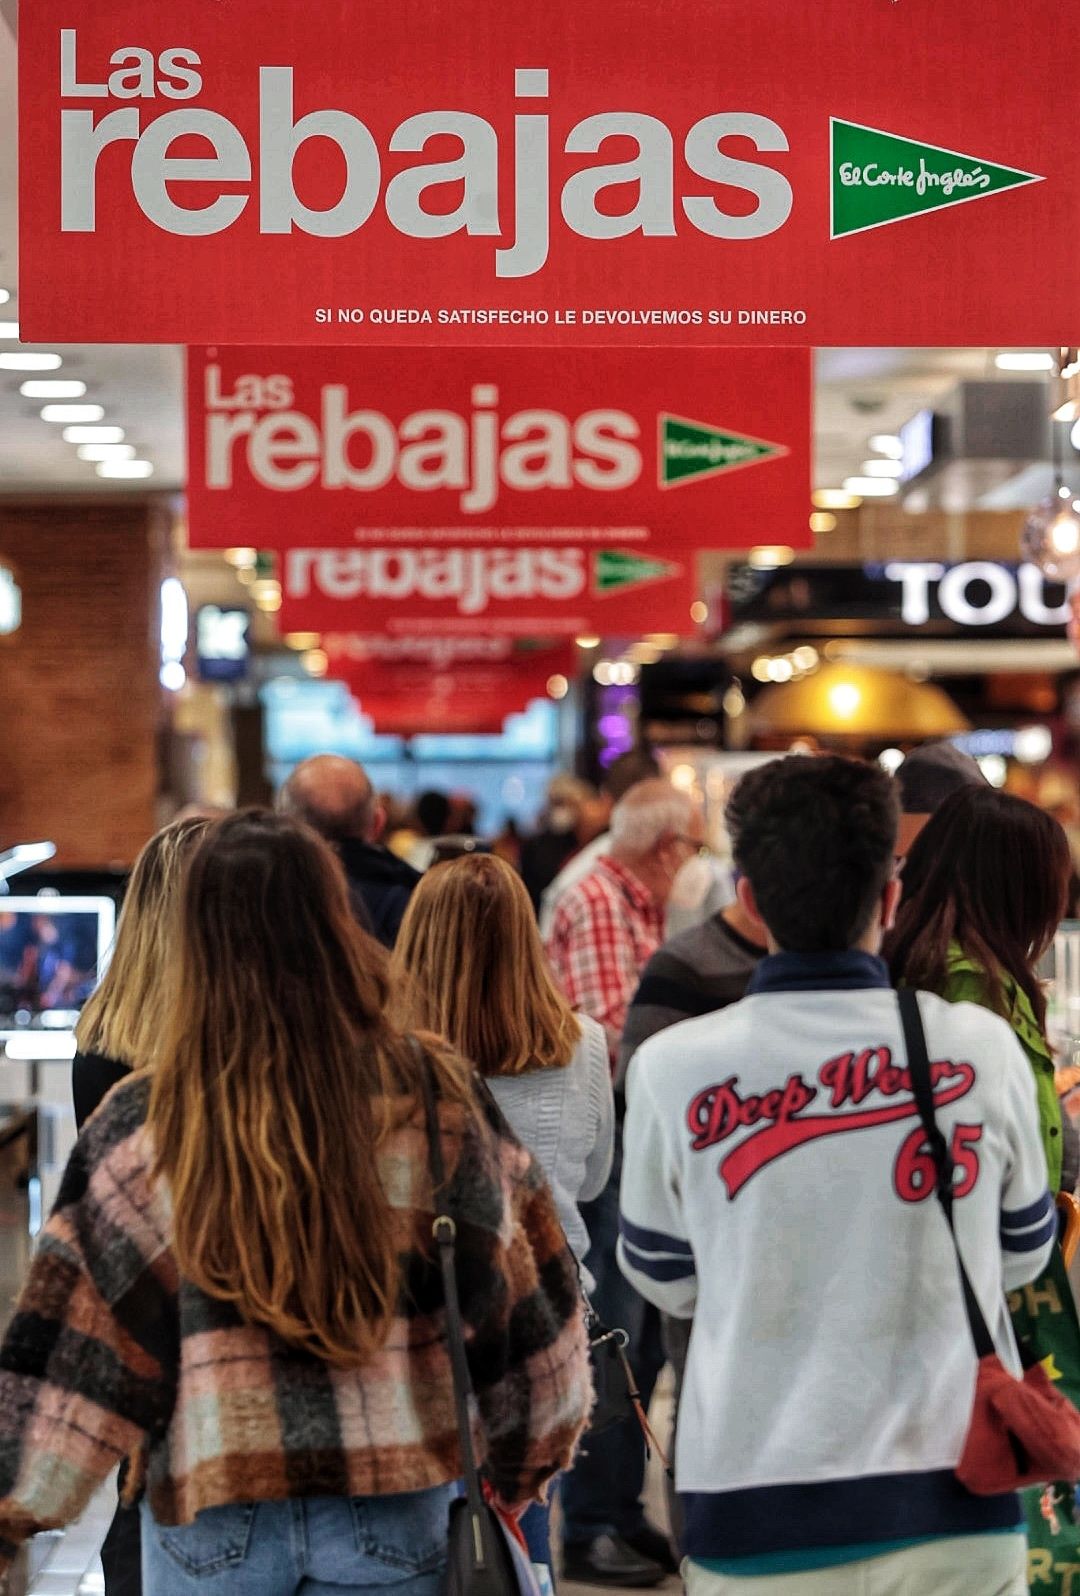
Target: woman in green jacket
{"x":985,"y":888}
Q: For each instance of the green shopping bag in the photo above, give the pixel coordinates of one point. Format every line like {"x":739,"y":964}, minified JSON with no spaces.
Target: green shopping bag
{"x":1044,"y":1315}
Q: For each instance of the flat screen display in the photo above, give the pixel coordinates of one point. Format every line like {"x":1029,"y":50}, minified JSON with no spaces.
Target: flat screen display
{"x":53,"y":951}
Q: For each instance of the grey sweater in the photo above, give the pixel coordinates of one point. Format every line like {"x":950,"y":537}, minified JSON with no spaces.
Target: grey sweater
{"x":566,"y":1118}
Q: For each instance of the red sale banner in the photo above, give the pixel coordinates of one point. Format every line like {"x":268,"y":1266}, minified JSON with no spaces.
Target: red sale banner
{"x":433,"y":684}
{"x":257,"y":171}
{"x":406,"y":714}
{"x":446,"y":590}
{"x":661,"y":449}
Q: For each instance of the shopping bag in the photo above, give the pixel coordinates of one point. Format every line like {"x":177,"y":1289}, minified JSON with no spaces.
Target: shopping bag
{"x":1044,"y":1316}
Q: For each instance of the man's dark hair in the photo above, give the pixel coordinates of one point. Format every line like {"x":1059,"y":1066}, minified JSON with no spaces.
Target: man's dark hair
{"x":432,"y":812}
{"x":815,"y":838}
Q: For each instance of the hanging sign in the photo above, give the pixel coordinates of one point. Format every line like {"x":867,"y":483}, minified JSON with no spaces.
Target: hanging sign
{"x":412,"y":715}
{"x":542,"y":590}
{"x":438,"y":684}
{"x":663,"y":448}
{"x":990,"y":596}
{"x":262,"y":172}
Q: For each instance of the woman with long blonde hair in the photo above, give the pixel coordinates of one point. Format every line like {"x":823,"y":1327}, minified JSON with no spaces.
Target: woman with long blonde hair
{"x":118,"y":1031}
{"x":120,"y":1025}
{"x":243,"y":1249}
{"x":469,"y":965}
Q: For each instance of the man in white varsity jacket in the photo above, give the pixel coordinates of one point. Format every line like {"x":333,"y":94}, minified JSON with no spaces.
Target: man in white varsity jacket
{"x":776,"y":1187}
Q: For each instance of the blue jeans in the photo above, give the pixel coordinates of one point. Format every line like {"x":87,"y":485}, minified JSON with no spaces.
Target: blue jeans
{"x":601,"y":1494}
{"x":311,"y":1546}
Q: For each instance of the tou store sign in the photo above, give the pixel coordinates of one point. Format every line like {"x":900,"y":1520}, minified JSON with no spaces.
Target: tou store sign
{"x":649,"y":450}
{"x":994,"y":598}
{"x":263,"y":172}
{"x":977,"y":593}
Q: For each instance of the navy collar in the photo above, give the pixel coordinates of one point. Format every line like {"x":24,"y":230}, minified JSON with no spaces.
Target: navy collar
{"x":819,"y":972}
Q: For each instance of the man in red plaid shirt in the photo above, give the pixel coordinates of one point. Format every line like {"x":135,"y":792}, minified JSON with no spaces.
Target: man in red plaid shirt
{"x":608,"y":926}
{"x":605,"y":930}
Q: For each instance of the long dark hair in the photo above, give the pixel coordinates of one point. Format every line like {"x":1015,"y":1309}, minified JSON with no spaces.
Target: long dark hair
{"x":989,"y":872}
{"x":272,"y":1087}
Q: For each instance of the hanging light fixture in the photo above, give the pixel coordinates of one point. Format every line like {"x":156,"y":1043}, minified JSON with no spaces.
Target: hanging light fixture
{"x":1050,"y":537}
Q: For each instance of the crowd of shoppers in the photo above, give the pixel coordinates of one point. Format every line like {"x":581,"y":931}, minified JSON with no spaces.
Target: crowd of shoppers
{"x":713,"y":1138}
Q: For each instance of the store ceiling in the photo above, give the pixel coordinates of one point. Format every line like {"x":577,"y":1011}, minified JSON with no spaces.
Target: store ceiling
{"x":859,"y":392}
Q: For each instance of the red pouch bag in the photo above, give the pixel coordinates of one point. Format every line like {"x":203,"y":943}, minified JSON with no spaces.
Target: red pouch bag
{"x":1022,"y":1432}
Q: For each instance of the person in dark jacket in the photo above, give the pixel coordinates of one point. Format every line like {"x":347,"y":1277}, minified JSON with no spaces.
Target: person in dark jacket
{"x":335,"y":797}
{"x":117,"y":1029}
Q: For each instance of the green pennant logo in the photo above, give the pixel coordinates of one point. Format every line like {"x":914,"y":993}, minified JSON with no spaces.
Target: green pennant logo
{"x":690,"y":450}
{"x":878,"y":178}
{"x":614,"y":570}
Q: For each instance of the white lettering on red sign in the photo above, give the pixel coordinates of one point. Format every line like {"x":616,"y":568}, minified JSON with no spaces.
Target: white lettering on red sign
{"x":362,"y":450}
{"x":470,"y":578}
{"x":583,"y":204}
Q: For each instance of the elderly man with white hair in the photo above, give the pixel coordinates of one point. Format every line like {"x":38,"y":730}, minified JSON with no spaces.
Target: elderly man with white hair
{"x":605,"y":930}
{"x":608,"y":926}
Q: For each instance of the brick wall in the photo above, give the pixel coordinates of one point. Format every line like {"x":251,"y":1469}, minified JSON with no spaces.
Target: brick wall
{"x":79,"y":697}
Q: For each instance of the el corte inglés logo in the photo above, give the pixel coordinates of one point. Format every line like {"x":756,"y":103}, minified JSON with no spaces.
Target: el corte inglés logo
{"x":878,"y":178}
{"x":690,"y":450}
{"x":614,"y":570}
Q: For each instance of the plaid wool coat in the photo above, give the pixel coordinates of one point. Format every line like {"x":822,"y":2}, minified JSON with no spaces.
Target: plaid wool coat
{"x":112,"y":1355}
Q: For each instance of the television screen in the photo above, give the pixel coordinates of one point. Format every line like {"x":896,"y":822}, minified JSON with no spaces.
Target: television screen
{"x":53,"y":951}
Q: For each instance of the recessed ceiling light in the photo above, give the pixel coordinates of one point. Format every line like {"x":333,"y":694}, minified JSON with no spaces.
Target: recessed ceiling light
{"x":835,"y":499}
{"x":67,"y":413}
{"x":105,"y":451}
{"x":24,"y":361}
{"x":888,"y":444}
{"x":770,"y":556}
{"x":1024,"y":360}
{"x":5,"y":295}
{"x":125,"y":468}
{"x":882,"y":468}
{"x":9,"y":329}
{"x":93,"y":434}
{"x":872,"y":487}
{"x":52,"y":388}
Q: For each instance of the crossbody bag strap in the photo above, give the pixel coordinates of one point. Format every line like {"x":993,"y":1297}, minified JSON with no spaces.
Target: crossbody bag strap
{"x":444,"y":1231}
{"x":922,"y":1086}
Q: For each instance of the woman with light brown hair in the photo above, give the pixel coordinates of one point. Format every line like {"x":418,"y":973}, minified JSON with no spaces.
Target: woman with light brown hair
{"x":118,"y":1030}
{"x":239,"y":1285}
{"x":469,"y":965}
{"x":120,"y":1024}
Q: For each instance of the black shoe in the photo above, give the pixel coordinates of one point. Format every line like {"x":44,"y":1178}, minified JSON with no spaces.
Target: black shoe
{"x":654,"y":1545}
{"x":609,"y":1560}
